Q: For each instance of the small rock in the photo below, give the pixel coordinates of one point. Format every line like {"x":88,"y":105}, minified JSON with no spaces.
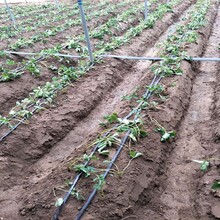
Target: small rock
{"x":30,"y":206}
{"x":119,"y":212}
{"x":216,"y":210}
{"x":23,"y":212}
{"x":48,"y":206}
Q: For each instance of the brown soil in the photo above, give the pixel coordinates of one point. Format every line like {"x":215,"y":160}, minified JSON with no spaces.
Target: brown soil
{"x":18,"y":89}
{"x":162,"y":184}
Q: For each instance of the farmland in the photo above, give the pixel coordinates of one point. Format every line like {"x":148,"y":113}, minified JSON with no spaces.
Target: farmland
{"x":142,"y":135}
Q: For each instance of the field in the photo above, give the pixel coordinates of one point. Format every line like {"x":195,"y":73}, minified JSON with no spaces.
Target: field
{"x":142,"y":135}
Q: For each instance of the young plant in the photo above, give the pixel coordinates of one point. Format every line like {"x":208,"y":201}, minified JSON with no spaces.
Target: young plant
{"x":87,"y":170}
{"x":203,"y":164}
{"x":100,"y":182}
{"x":133,"y":155}
{"x":111,"y":118}
{"x":107,"y":141}
{"x":166,"y":135}
{"x":216,"y":185}
{"x":134,"y":126}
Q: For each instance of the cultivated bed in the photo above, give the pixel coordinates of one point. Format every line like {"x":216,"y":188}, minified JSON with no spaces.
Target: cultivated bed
{"x":164,"y":115}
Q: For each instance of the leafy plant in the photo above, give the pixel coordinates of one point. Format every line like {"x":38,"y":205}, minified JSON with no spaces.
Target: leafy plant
{"x":134,"y":126}
{"x":216,"y":185}
{"x":100,"y":182}
{"x":203,"y":164}
{"x":133,"y":155}
{"x":107,"y":141}
{"x":33,"y":68}
{"x":111,"y":118}
{"x":131,"y":96}
{"x":166,"y":135}
{"x":77,"y":194}
{"x":59,"y":202}
{"x":87,"y":170}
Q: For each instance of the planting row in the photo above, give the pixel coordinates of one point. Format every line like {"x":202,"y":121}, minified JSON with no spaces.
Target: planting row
{"x":173,"y":51}
{"x":66,"y":75}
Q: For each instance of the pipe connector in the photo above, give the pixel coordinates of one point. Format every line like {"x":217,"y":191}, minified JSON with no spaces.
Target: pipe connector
{"x":80,"y":2}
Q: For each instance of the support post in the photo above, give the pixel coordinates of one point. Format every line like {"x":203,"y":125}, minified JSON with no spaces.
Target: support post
{"x":57,"y":4}
{"x":83,"y":18}
{"x":10,"y":13}
{"x":145,"y":9}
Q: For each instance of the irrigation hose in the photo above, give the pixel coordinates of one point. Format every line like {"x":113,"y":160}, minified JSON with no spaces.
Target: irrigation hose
{"x":14,"y":116}
{"x":76,"y":179}
{"x":89,"y":200}
{"x":15,"y":127}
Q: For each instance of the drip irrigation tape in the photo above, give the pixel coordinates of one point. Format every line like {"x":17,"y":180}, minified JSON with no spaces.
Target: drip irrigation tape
{"x":213,"y":59}
{"x":144,"y":96}
{"x":76,"y":179}
{"x":31,"y":105}
{"x":22,"y":67}
{"x":17,"y":125}
{"x":81,"y":212}
{"x":10,"y":131}
{"x":155,"y":81}
{"x":14,"y":128}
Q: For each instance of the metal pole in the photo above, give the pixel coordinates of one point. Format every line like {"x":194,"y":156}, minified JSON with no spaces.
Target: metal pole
{"x":145,"y":9}
{"x":10,"y":13}
{"x":80,"y":3}
{"x":57,"y":4}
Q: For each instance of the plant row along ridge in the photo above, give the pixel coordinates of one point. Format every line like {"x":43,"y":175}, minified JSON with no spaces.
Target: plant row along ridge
{"x":45,"y":19}
{"x":173,"y":50}
{"x":99,"y":32}
{"x":75,"y":43}
{"x":21,"y":11}
{"x":25,"y":42}
{"x":43,"y":96}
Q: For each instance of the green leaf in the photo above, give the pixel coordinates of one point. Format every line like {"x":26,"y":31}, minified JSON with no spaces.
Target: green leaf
{"x":216,"y":185}
{"x":59,"y":202}
{"x":134,"y":154}
{"x":106,"y":161}
{"x":165,"y":137}
{"x":111,"y":118}
{"x":86,"y":169}
{"x":204,"y":166}
{"x":143,"y":133}
{"x":172,"y":134}
{"x":104,"y":152}
{"x":133,"y":137}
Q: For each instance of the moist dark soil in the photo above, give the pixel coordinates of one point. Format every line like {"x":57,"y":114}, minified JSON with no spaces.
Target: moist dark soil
{"x":162,"y":184}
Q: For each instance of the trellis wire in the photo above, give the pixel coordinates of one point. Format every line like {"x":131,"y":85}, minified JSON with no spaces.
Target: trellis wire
{"x":212,"y":59}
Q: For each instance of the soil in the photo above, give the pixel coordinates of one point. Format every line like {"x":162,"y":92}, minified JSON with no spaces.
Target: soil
{"x":162,"y":184}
